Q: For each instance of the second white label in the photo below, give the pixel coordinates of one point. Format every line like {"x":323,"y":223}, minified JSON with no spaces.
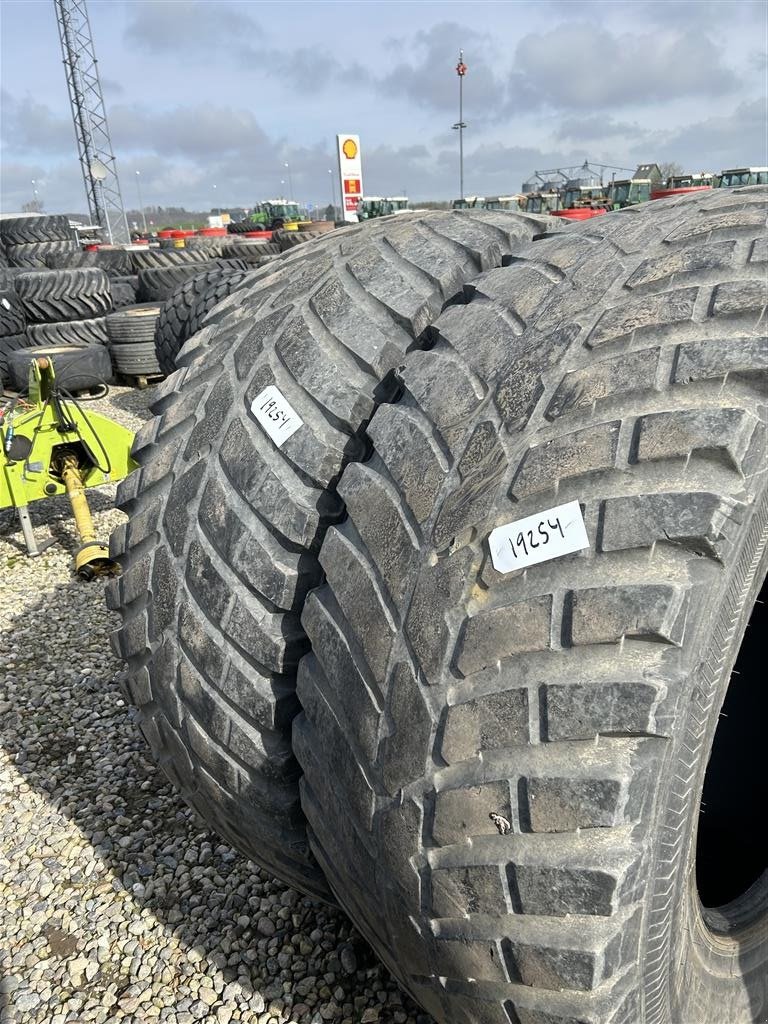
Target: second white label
{"x":276,"y":414}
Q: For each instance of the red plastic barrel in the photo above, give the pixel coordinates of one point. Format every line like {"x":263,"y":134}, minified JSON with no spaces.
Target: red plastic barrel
{"x":580,"y":213}
{"x":665,"y":193}
{"x":212,"y":232}
{"x":166,"y":234}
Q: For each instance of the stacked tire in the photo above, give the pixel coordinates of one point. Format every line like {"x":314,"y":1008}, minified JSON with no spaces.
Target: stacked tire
{"x":160,"y":271}
{"x":30,"y":241}
{"x":535,"y":498}
{"x":252,"y":250}
{"x":113,"y":261}
{"x":13,"y":324}
{"x":66,"y":307}
{"x":131,"y":333}
{"x":65,"y":314}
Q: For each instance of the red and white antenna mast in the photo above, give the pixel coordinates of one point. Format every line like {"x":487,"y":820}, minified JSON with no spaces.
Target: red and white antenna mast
{"x":461,"y":70}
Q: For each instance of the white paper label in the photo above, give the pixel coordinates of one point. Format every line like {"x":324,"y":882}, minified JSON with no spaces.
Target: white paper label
{"x":5,"y":302}
{"x":276,"y":415}
{"x":538,"y":538}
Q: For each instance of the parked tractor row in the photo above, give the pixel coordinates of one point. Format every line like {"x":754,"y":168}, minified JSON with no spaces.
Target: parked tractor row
{"x":588,"y":195}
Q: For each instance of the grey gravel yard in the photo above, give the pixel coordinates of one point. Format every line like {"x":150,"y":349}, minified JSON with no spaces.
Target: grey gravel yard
{"x":116,"y":902}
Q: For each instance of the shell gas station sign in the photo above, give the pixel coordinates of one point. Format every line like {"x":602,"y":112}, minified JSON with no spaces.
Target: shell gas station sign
{"x":350,"y":174}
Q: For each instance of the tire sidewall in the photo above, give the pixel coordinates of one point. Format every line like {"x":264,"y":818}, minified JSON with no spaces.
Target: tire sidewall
{"x":704,"y":972}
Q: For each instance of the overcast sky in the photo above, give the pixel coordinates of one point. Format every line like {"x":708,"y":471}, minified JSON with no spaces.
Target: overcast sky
{"x":202,"y":94}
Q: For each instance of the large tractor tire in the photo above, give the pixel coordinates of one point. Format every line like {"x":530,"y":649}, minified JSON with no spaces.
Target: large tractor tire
{"x":183,"y":313}
{"x":537,"y":786}
{"x":226,"y":516}
{"x":114,"y":262}
{"x":151,"y":258}
{"x":69,"y":332}
{"x":35,"y":255}
{"x":30,"y":230}
{"x":248,"y":249}
{"x":158,"y":284}
{"x":80,"y":293}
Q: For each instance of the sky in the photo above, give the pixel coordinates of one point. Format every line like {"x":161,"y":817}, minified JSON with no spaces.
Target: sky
{"x":209,"y":99}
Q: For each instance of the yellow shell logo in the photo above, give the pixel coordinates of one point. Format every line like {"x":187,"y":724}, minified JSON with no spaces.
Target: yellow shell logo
{"x":349,"y":149}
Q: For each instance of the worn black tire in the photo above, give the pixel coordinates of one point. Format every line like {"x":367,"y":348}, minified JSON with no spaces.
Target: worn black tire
{"x":183,"y":313}
{"x":124,"y":290}
{"x":151,"y":259}
{"x":210,"y":244}
{"x":135,"y":359}
{"x":12,"y":319}
{"x":217,"y":600}
{"x":10,"y":343}
{"x":37,"y":254}
{"x":77,"y":368}
{"x":503,"y":772}
{"x":28,"y":230}
{"x":69,"y":332}
{"x":289,"y":239}
{"x":249,"y":249}
{"x":242,"y":227}
{"x":133,"y":324}
{"x":51,"y":295}
{"x":114,"y":262}
{"x":157,"y":285}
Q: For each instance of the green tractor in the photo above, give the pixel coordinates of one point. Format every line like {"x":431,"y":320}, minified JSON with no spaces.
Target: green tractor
{"x":637,"y":189}
{"x":543,"y":202}
{"x":469,"y":203}
{"x":272,"y":214}
{"x":381,"y":206}
{"x":515,"y":203}
{"x":743,"y":176}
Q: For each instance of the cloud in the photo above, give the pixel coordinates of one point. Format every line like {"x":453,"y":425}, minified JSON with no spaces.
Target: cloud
{"x":29,"y":126}
{"x":737,"y":139}
{"x":679,"y":13}
{"x":198,"y":131}
{"x":580,"y":66}
{"x":111,"y":87}
{"x":596,"y":126}
{"x":191,"y":26}
{"x":422,"y":76}
{"x":59,"y":185}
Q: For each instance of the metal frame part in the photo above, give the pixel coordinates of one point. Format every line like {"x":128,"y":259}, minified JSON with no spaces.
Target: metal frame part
{"x":89,"y":115}
{"x":50,"y":446}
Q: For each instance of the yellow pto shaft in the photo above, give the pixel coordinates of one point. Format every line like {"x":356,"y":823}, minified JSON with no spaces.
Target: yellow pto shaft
{"x":92,"y":557}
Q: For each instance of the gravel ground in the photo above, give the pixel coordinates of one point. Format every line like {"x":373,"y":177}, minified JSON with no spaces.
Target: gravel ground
{"x":116,"y":902}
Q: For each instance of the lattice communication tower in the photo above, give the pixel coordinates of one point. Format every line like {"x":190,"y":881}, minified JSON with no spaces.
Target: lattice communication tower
{"x":97,"y":161}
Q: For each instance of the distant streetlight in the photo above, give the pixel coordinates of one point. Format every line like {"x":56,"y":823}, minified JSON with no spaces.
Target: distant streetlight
{"x":214,"y":207}
{"x":141,"y":201}
{"x":333,"y":193}
{"x":290,"y":181}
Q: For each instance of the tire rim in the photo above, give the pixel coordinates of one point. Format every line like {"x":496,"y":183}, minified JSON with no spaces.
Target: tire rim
{"x":731,"y":875}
